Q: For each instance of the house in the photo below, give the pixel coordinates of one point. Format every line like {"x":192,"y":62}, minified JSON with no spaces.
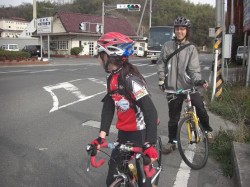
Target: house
{"x":12,"y":27}
{"x":66,"y":32}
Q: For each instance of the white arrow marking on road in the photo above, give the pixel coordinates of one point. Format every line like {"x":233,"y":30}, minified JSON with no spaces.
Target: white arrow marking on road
{"x":97,"y":124}
{"x":69,"y":87}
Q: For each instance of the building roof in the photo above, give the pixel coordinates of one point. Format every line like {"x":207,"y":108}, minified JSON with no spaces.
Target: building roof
{"x":72,"y":20}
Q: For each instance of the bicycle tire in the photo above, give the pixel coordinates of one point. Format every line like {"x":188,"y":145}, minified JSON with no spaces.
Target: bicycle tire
{"x":194,"y":155}
{"x":119,"y":182}
{"x":157,"y":163}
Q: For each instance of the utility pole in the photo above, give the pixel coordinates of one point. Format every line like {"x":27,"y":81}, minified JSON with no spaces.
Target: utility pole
{"x":34,"y":10}
{"x":103,"y":14}
{"x":139,"y":26}
{"x":218,"y":46}
{"x":150,"y":12}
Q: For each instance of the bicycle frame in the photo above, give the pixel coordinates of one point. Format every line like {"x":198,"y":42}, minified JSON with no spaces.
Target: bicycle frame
{"x":190,"y":111}
{"x":191,"y":138}
{"x":126,"y":149}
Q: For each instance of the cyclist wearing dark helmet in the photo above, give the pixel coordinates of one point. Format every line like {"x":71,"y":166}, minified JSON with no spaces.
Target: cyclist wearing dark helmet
{"x":181,"y":71}
{"x":128,"y":94}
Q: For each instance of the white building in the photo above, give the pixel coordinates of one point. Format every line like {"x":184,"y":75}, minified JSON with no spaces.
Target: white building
{"x":12,"y":27}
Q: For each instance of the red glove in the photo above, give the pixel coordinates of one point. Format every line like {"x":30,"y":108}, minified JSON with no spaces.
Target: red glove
{"x":98,"y":141}
{"x":150,"y":151}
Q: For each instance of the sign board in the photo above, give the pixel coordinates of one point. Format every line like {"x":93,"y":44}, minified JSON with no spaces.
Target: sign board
{"x":212,"y":32}
{"x":227,"y":46}
{"x":44,"y":25}
{"x":129,"y":7}
{"x":122,"y":6}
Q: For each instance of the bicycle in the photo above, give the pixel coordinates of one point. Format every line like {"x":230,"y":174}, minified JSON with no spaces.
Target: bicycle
{"x":191,"y":138}
{"x":126,"y":173}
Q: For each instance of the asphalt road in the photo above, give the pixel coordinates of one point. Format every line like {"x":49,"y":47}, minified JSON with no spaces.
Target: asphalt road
{"x":49,"y":113}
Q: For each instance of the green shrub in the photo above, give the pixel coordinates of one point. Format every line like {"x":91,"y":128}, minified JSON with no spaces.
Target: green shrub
{"x":13,"y":55}
{"x":76,"y":50}
{"x":234,"y":105}
{"x":221,"y":151}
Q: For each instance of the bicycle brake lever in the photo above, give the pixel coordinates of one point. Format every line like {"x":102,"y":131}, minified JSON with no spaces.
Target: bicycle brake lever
{"x":88,"y":148}
{"x":140,"y":161}
{"x":88,"y":164}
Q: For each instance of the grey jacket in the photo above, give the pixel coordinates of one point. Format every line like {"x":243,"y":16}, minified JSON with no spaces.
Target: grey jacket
{"x":182,"y":70}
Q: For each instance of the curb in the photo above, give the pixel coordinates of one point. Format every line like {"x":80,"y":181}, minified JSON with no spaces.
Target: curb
{"x":241,"y":161}
{"x":23,"y":63}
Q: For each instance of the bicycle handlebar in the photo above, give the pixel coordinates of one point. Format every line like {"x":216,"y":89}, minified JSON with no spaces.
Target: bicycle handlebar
{"x":173,"y":96}
{"x":149,"y":171}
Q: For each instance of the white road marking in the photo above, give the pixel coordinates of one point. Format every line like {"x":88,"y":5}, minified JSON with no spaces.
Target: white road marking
{"x":75,"y":91}
{"x":149,"y":74}
{"x":17,"y":71}
{"x":206,"y":68}
{"x":41,"y":71}
{"x":151,"y":65}
{"x":96,"y":124}
{"x":71,"y":88}
{"x":183,"y":173}
{"x":139,"y":65}
{"x":98,"y":81}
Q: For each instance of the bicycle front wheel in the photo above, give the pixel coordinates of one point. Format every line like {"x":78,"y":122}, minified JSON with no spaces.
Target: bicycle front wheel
{"x":195,"y":155}
{"x":119,"y":182}
{"x":157,"y":163}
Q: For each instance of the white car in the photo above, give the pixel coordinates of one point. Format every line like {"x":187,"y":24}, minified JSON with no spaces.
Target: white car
{"x":138,"y":51}
{"x":240,"y":54}
{"x":10,"y":47}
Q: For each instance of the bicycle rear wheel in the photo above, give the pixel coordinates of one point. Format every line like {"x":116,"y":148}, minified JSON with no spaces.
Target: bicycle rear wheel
{"x":195,"y":155}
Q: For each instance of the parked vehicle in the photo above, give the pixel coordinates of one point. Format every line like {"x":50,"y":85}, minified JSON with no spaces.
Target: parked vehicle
{"x":240,"y":54}
{"x":138,"y":51}
{"x":34,"y":50}
{"x":10,"y":47}
{"x":158,"y":35}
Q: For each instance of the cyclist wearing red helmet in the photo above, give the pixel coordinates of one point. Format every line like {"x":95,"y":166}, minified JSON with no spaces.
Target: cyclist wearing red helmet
{"x":179,"y":68}
{"x":128,"y":94}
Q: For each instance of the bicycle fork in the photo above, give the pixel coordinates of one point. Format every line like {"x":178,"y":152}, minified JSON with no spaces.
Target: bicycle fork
{"x":193,"y":129}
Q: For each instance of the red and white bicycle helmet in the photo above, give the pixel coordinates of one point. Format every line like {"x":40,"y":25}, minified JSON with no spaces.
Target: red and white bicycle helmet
{"x":115,"y":44}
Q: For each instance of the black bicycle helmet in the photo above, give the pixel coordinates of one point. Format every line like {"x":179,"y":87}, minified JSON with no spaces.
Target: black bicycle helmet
{"x":182,"y":22}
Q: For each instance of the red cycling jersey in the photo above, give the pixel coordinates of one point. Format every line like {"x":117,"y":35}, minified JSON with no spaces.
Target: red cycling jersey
{"x":129,"y":119}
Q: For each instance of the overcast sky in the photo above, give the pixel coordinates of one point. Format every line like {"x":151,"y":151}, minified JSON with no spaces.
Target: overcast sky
{"x":18,"y":2}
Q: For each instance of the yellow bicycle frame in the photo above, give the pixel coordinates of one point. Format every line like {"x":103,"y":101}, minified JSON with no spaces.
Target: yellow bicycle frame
{"x":196,"y":123}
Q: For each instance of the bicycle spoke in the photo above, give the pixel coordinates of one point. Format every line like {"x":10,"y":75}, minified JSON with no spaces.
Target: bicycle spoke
{"x":194,"y":154}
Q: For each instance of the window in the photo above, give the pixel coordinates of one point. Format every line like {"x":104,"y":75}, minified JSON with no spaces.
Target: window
{"x":58,"y":44}
{"x":62,"y":45}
